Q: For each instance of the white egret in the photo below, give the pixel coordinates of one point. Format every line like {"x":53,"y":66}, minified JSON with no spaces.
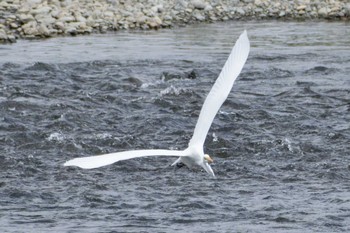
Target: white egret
{"x":194,"y":154}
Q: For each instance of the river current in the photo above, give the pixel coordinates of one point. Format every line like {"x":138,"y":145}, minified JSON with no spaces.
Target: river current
{"x":280,"y":142}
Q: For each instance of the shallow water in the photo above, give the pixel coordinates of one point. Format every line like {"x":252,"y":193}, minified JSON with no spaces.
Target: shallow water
{"x":280,"y":142}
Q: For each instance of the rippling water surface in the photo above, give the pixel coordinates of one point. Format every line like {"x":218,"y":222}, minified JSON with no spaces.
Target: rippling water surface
{"x":280,"y":142}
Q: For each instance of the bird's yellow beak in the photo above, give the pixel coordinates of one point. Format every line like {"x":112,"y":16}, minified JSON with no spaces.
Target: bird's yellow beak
{"x":207,"y":157}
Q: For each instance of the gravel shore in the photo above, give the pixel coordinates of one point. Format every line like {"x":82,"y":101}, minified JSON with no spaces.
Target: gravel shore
{"x":46,"y":18}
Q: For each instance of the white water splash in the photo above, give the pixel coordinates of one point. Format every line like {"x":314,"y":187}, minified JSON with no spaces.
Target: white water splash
{"x":288,"y":143}
{"x":56,"y":136}
{"x":172,"y":91}
{"x":215,"y":138}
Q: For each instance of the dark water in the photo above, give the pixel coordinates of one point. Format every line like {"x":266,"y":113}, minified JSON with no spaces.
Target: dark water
{"x":280,"y":142}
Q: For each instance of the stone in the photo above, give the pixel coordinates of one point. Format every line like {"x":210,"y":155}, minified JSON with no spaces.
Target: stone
{"x":188,"y":10}
{"x":13,"y":25}
{"x":175,"y":12}
{"x":41,"y":10}
{"x":60,"y":25}
{"x":182,"y":3}
{"x":25,"y":18}
{"x":335,"y":9}
{"x":140,"y":19}
{"x":127,"y":13}
{"x":104,"y":28}
{"x":11,"y":17}
{"x":4,"y":4}
{"x":240,"y":11}
{"x":33,"y":2}
{"x":301,"y":7}
{"x":30,"y":31}
{"x":24,"y":9}
{"x":168,"y":18}
{"x":82,"y":26}
{"x":90,"y":22}
{"x":347,"y":9}
{"x":45,"y":19}
{"x":158,"y":20}
{"x":109,"y":14}
{"x":71,"y":30}
{"x":198,"y":16}
{"x":147,"y":12}
{"x":198,"y":4}
{"x":257,"y":2}
{"x":32,"y":18}
{"x":323,"y":12}
{"x":11,"y":38}
{"x":258,"y":10}
{"x":208,"y":8}
{"x":56,"y":13}
{"x":67,"y":19}
{"x":43,"y":30}
{"x":154,"y":22}
{"x":80,"y":18}
{"x":3,"y":35}
{"x":158,"y":8}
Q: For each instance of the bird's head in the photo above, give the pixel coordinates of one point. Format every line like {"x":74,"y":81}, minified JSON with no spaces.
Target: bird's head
{"x":206,"y":166}
{"x":208,"y":159}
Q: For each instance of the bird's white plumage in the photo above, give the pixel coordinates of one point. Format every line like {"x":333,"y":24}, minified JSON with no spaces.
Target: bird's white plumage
{"x":194,"y":154}
{"x":106,"y":159}
{"x":221,"y":89}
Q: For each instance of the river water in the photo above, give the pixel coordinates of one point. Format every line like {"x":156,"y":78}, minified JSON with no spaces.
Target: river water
{"x":280,"y":143}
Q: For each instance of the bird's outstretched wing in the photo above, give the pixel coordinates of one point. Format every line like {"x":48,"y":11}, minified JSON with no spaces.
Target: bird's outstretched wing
{"x":221,"y":89}
{"x":106,"y":159}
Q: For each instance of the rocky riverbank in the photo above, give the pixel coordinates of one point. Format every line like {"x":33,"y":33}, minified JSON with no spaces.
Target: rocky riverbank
{"x":45,"y":18}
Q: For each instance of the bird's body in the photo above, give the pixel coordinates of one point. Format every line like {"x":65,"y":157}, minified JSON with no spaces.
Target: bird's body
{"x":194,"y":154}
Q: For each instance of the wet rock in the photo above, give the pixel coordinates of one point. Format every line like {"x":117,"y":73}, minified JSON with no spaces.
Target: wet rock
{"x":166,"y":76}
{"x":135,"y":81}
{"x":192,"y":75}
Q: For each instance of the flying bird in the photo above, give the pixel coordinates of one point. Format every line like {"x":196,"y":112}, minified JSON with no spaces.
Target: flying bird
{"x":193,"y":155}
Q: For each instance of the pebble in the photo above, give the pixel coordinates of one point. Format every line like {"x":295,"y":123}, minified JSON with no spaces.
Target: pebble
{"x":45,"y":18}
{"x":198,"y":4}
